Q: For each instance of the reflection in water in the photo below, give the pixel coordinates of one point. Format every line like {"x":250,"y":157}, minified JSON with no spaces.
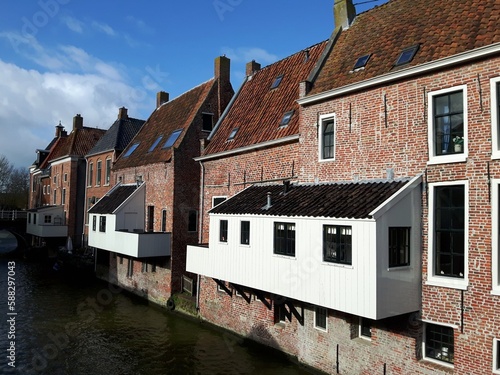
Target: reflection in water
{"x":73,"y":327}
{"x":8,"y":242}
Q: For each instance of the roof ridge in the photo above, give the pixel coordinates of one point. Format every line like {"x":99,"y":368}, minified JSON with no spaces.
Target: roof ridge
{"x":186,"y":92}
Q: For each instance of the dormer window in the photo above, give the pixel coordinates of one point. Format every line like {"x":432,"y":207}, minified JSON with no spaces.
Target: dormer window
{"x":361,"y":62}
{"x":153,"y":146}
{"x":131,"y":150}
{"x":233,"y":134}
{"x":407,"y":55}
{"x":286,"y":118}
{"x":173,"y":137}
{"x":277,"y":81}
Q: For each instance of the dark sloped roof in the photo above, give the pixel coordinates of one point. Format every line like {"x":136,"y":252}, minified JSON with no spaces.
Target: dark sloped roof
{"x":258,"y":110}
{"x":173,"y":115}
{"x":118,"y":135}
{"x":335,"y":200}
{"x":442,"y":28}
{"x":77,"y":143}
{"x":111,"y":201}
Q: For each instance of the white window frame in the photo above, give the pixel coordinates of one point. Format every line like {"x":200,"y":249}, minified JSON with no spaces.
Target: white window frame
{"x":325,"y":329}
{"x":495,"y":233}
{"x":360,"y":330}
{"x":495,"y":120}
{"x":452,"y":158}
{"x":496,"y":345}
{"x":446,"y":281}
{"x":424,"y":341}
{"x":323,"y":119}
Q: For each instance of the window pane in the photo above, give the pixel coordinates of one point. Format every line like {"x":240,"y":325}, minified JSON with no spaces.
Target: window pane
{"x":223,"y":231}
{"x":439,"y":343}
{"x":337,"y":244}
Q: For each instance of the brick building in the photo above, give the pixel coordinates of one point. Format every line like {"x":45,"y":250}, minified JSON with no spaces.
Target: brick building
{"x":142,"y":226}
{"x":379,"y":254}
{"x":57,"y":191}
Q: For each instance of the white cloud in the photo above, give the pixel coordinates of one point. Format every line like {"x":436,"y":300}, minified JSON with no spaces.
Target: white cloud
{"x":140,"y":25}
{"x":103,"y":27}
{"x":73,"y":24}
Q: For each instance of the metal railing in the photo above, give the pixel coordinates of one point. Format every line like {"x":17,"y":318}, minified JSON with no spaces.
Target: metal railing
{"x":13,"y":214}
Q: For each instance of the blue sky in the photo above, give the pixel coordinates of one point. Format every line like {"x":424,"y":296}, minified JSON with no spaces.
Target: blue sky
{"x":63,"y":57}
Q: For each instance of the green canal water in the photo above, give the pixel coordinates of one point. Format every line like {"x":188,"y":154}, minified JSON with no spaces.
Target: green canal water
{"x":71,"y":325}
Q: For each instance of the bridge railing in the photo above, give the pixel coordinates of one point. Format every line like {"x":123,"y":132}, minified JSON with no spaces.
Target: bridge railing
{"x":13,"y":214}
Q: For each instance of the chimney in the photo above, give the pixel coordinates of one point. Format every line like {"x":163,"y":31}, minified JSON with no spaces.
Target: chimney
{"x":161,"y":98}
{"x":252,"y":67}
{"x":222,"y":68}
{"x":343,"y":13}
{"x":59,"y":130}
{"x":122,"y":113}
{"x":77,"y":122}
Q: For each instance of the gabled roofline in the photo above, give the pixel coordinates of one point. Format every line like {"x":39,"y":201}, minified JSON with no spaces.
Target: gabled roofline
{"x":427,"y":67}
{"x":139,"y":188}
{"x":253,"y":147}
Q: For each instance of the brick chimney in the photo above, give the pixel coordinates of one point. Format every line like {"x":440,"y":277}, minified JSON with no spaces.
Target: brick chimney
{"x":252,"y":67}
{"x":343,"y":13}
{"x":59,"y":130}
{"x":77,"y":122}
{"x":222,"y":69}
{"x":122,"y":113}
{"x":161,"y":98}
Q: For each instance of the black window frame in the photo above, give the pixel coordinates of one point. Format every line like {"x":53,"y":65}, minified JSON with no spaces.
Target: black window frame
{"x":207,"y":122}
{"x":223,"y":230}
{"x":321,"y":318}
{"x":94,"y":223}
{"x":399,"y":246}
{"x":328,"y":140}
{"x":108,"y":171}
{"x":192,"y":221}
{"x":98,"y":176}
{"x":130,"y":267}
{"x":448,"y":121}
{"x":438,"y":337}
{"x":284,"y":239}
{"x":245,"y":232}
{"x":365,"y":328}
{"x":102,"y":224}
{"x":449,"y":231}
{"x":335,"y":249}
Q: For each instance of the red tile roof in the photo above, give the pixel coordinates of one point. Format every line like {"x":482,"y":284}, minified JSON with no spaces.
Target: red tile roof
{"x":257,"y":110}
{"x":442,"y":28}
{"x":176,"y":114}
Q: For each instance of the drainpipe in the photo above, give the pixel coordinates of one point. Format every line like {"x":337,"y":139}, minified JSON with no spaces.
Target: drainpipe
{"x":200,"y":231}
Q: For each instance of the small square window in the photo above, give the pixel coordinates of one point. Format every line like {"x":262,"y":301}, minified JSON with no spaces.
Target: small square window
{"x":233,"y":134}
{"x":337,"y":244}
{"x":407,"y":55}
{"x":439,"y":343}
{"x":399,"y":246}
{"x":320,"y":318}
{"x":130,"y":151}
{"x":361,"y":62}
{"x":173,"y":137}
{"x":286,"y":118}
{"x":277,"y":81}
{"x":217,"y":200}
{"x":284,"y":239}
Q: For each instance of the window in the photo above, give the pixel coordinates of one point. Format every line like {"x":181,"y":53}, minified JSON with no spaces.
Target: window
{"x":208,"y":119}
{"x":44,"y":189}
{"x":155,"y":143}
{"x":102,"y":224}
{"x":337,"y":244}
{"x":495,"y":116}
{"x":55,"y":180}
{"x":151,"y":218}
{"x":63,"y":196}
{"x":448,"y":125}
{"x":223,"y":231}
{"x":277,"y":81}
{"x":496,"y":356}
{"x":320,"y":318}
{"x":65,"y":177}
{"x":94,"y":223}
{"x":284,"y":239}
{"x":173,"y":137}
{"x":34,"y":218}
{"x":98,"y":173}
{"x":365,"y":328}
{"x":439,"y":342}
{"x":245,"y":233}
{"x":192,"y":221}
{"x":217,"y":200}
{"x":131,"y":150}
{"x":280,"y":313}
{"x":130,"y":267}
{"x":91,"y":174}
{"x":144,"y":266}
{"x":361,"y":62}
{"x":399,"y":246}
{"x":286,"y":118}
{"x":407,"y":55}
{"x":495,"y":224}
{"x":219,"y":288}
{"x":233,"y":134}
{"x":108,"y":171}
{"x":55,"y":197}
{"x":47,"y":219}
{"x":327,"y":139}
{"x":164,"y":220}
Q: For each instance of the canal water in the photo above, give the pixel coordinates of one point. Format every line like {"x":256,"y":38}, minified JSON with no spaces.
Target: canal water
{"x":72,"y":325}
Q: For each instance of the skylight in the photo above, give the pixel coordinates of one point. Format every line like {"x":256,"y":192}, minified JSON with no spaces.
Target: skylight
{"x":407,"y":55}
{"x":277,"y":81}
{"x":286,"y":118}
{"x":173,"y":137}
{"x":130,"y":150}
{"x":233,"y":134}
{"x":361,"y":62}
{"x":153,"y":146}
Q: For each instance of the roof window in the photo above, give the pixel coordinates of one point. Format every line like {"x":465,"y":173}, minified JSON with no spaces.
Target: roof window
{"x":130,"y":150}
{"x":233,"y":134}
{"x":407,"y":55}
{"x":153,"y":146}
{"x":361,"y":62}
{"x":277,"y":81}
{"x":173,"y":137}
{"x":286,"y":118}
